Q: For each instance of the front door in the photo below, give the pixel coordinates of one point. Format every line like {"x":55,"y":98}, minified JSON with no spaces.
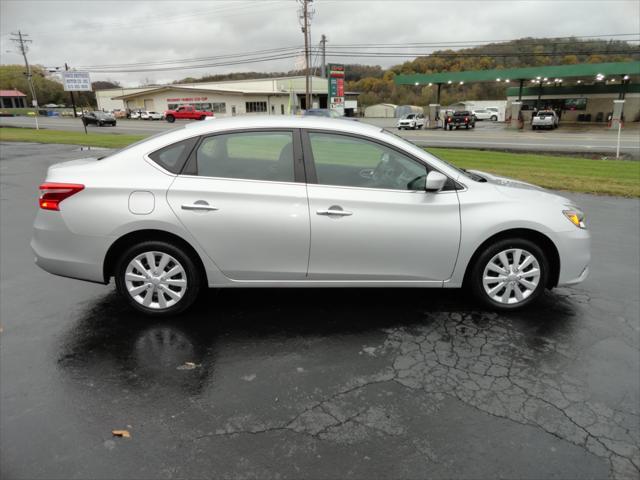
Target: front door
{"x":371,"y":218}
{"x":242,"y":203}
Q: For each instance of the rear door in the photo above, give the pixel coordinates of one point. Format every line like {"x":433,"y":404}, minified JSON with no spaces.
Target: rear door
{"x":243,"y":198}
{"x":370,"y":216}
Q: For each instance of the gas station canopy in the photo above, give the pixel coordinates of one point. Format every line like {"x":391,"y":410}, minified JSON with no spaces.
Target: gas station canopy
{"x":527,"y":73}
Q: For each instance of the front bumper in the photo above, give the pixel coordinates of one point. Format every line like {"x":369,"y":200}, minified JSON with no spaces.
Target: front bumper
{"x":574,"y":248}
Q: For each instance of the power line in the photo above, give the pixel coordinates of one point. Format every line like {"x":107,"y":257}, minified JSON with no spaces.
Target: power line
{"x":189,"y":60}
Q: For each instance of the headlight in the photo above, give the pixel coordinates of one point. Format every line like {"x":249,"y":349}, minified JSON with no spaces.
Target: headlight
{"x":575,"y":216}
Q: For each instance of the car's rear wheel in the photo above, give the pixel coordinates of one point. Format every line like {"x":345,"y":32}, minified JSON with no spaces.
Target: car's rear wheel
{"x":494,"y":118}
{"x":171,"y":118}
{"x":157,"y":278}
{"x":509,"y":274}
{"x":202,"y":117}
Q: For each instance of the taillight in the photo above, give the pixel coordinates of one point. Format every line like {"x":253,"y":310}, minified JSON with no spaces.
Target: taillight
{"x":51,"y":194}
{"x":466,"y":119}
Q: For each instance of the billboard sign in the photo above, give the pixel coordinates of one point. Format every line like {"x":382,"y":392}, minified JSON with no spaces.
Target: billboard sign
{"x":76,"y":81}
{"x":336,"y":88}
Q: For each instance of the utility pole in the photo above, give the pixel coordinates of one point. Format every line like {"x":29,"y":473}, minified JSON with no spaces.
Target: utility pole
{"x":21,"y":41}
{"x":305,"y":21}
{"x":323,"y":43}
{"x":73,"y":98}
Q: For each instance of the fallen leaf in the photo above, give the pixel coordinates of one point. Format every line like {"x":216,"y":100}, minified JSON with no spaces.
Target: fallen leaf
{"x":188,"y":366}
{"x":121,"y":433}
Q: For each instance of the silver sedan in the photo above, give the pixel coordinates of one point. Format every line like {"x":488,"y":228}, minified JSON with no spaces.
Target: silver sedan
{"x":300,"y":202}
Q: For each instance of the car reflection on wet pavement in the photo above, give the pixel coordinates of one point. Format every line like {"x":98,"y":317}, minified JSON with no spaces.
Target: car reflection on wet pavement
{"x":318,"y":383}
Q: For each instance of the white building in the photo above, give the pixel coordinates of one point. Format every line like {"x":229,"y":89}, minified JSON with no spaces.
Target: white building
{"x":274,"y":96}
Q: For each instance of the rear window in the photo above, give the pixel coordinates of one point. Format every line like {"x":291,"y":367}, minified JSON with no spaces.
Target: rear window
{"x":173,"y":157}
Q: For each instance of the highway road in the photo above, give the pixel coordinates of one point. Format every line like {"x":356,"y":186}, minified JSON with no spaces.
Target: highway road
{"x":487,"y":135}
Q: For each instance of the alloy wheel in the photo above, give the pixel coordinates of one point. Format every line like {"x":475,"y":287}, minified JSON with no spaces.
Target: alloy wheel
{"x":511,"y":276}
{"x":155,"y":280}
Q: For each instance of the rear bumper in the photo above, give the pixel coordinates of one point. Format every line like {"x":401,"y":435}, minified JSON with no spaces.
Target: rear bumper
{"x":62,"y":252}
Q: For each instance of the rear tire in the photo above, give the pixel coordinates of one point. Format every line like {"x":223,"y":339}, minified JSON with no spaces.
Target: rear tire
{"x":157,"y":278}
{"x":494,"y":118}
{"x":171,"y":118}
{"x":509,"y":274}
{"x":202,"y":117}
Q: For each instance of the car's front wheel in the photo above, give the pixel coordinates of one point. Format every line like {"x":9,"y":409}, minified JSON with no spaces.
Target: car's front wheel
{"x":157,"y":278}
{"x":509,"y":274}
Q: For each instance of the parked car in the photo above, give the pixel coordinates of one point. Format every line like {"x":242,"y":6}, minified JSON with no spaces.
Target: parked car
{"x":412,"y":121}
{"x":495,"y":111}
{"x":300,"y":202}
{"x":119,"y":113}
{"x":186,"y":112}
{"x":135,"y":114}
{"x":545,"y":119}
{"x":153,"y":116}
{"x":459,"y":119}
{"x":484,"y":114}
{"x":98,"y":118}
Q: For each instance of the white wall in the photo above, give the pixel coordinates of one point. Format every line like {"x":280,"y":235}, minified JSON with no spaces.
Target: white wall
{"x":161,"y":100}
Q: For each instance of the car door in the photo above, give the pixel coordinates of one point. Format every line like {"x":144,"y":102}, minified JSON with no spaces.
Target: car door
{"x":242,"y":196}
{"x":371,"y":218}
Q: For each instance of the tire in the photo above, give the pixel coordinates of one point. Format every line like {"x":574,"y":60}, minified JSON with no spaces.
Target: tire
{"x":202,"y":117}
{"x":473,"y":125}
{"x":100,"y":124}
{"x":420,"y":127}
{"x":467,"y":127}
{"x":150,"y":283}
{"x":532,"y":285}
{"x":494,"y":118}
{"x":171,"y":118}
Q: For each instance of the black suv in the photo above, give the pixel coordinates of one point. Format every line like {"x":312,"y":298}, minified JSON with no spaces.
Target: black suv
{"x":98,"y":118}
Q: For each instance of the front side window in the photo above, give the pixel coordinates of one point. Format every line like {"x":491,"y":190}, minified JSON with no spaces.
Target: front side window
{"x":247,"y":155}
{"x":355,"y":162}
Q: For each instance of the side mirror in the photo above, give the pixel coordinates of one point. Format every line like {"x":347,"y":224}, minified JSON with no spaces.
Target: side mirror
{"x":435,"y":181}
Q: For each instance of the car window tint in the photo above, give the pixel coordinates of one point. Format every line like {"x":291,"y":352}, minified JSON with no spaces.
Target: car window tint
{"x":172,"y":157}
{"x":247,"y":155}
{"x":356,"y":162}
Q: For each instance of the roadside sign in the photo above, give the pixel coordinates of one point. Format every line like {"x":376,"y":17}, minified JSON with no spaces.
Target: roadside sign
{"x":336,"y":88}
{"x":76,"y":81}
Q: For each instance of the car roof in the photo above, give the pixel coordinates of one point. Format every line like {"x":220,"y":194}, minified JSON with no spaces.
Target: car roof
{"x":290,"y":121}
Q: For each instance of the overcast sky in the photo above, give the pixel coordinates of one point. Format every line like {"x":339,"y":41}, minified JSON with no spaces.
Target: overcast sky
{"x":95,"y":32}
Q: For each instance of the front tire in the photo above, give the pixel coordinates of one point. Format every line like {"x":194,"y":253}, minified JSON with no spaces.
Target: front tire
{"x":157,"y":278}
{"x":509,"y":274}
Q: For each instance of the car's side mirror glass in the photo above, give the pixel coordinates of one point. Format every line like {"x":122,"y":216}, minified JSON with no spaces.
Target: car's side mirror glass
{"x":435,"y":181}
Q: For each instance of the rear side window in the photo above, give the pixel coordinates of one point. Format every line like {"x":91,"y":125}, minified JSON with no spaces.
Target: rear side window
{"x":247,"y":155}
{"x":173,"y":157}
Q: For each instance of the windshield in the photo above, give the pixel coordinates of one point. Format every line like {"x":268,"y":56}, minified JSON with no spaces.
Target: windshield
{"x":100,"y":115}
{"x":411,"y":115}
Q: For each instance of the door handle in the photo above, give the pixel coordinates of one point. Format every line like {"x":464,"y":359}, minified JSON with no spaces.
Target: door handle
{"x":334,"y":211}
{"x":199,"y":206}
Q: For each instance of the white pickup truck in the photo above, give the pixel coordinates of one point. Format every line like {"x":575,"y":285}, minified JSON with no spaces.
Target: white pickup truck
{"x":545,"y":119}
{"x":411,"y":121}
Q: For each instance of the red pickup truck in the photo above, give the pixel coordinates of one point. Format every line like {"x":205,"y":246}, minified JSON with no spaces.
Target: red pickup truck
{"x":186,"y":111}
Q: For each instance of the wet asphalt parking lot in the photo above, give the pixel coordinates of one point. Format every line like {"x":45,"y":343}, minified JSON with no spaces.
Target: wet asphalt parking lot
{"x":316,"y":383}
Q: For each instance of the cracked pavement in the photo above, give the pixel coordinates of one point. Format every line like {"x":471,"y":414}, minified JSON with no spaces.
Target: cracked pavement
{"x":301,"y":384}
